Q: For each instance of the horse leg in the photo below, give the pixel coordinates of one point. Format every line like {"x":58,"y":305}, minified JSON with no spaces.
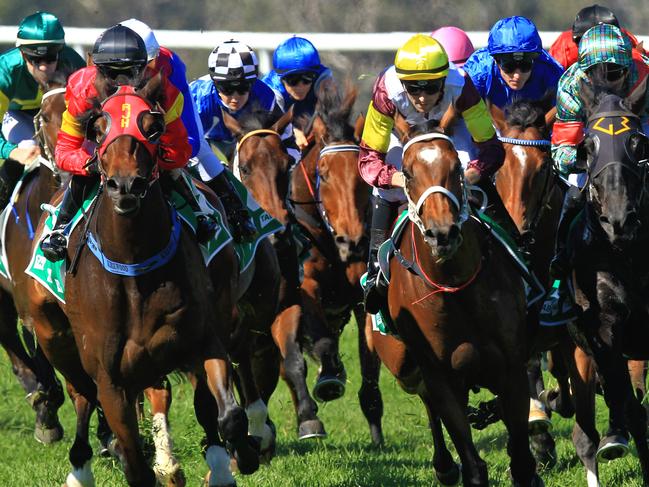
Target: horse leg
{"x":515,"y":407}
{"x":166,"y":467}
{"x":446,"y":470}
{"x":559,"y":399}
{"x":539,"y":424}
{"x":369,"y":394}
{"x":585,"y":437}
{"x":122,"y":418}
{"x":638,"y":373}
{"x":638,"y":428}
{"x":81,"y":452}
{"x":285,"y":333}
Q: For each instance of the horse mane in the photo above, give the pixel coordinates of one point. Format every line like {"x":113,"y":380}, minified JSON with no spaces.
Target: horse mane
{"x":524,"y":114}
{"x":334,"y":107}
{"x":257,"y":118}
{"x":430,"y":126}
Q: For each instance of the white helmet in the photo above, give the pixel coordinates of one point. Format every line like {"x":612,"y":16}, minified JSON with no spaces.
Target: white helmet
{"x":145,"y":32}
{"x":232,"y":61}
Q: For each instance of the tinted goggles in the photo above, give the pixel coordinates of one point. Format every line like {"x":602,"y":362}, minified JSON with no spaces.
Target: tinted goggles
{"x":295,"y":79}
{"x":47,"y":58}
{"x":113,"y":72}
{"x":427,"y":86}
{"x":510,"y":65}
{"x":229,"y":88}
{"x":614,"y":73}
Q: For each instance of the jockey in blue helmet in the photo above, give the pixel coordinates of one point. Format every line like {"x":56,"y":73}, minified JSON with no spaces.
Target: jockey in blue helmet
{"x":514,"y":64}
{"x":296,"y":77}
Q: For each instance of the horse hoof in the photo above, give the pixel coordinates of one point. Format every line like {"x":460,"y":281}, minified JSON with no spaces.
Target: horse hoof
{"x":544,"y":451}
{"x":207,"y":482}
{"x":551,"y":399}
{"x":538,"y":421}
{"x":47,"y":436}
{"x":108,"y":446}
{"x":312,"y":428}
{"x":612,"y":447}
{"x":328,"y":388}
{"x":452,"y":477}
{"x":246,"y":453}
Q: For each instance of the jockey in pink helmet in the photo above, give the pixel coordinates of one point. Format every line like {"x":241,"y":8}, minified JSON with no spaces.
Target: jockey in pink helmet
{"x":456,"y":43}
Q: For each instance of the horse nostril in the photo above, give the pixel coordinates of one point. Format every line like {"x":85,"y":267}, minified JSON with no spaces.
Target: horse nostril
{"x":603,"y":219}
{"x":453,"y":232}
{"x":112,"y":185}
{"x":138,"y":186}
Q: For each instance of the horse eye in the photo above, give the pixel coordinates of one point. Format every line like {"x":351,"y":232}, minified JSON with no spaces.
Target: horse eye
{"x":244,"y":170}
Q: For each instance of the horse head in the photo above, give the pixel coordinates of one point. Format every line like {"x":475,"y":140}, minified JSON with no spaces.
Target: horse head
{"x":128,"y":128}
{"x":614,"y":155}
{"x":434,"y":186}
{"x":262,"y":160}
{"x":49,"y":118}
{"x":342,"y":195}
{"x":526,"y":180}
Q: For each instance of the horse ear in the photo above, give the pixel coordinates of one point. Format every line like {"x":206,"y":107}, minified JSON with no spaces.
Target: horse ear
{"x":498,"y":117}
{"x":89,"y":61}
{"x":586,"y":92}
{"x":232,"y":124}
{"x":358,"y":127}
{"x":635,"y":101}
{"x":284,"y":120}
{"x":319,"y":129}
{"x":152,"y":90}
{"x":402,"y":127}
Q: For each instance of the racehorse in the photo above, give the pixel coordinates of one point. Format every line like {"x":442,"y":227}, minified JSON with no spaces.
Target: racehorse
{"x":611,"y":268}
{"x":44,"y":392}
{"x":331,"y":203}
{"x":458,"y":305}
{"x":263,"y":165}
{"x":116,"y":334}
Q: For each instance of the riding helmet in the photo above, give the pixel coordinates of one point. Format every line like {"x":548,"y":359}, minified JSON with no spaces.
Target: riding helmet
{"x":296,"y":55}
{"x":119,"y":46}
{"x":514,"y":34}
{"x":421,"y":58}
{"x":231,"y":61}
{"x":590,"y":17}
{"x":39,"y":34}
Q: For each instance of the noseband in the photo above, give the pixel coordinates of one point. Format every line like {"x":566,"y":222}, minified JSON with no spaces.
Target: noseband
{"x":414,"y":208}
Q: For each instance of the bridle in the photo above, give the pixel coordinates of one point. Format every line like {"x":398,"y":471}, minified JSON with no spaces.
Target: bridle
{"x":415,"y":207}
{"x":48,"y":160}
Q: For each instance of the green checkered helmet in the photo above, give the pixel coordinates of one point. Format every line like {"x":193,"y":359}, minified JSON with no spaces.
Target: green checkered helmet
{"x":40,"y":34}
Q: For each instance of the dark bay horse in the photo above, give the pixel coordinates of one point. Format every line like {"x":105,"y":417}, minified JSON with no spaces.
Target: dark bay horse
{"x":44,"y":392}
{"x":459,"y":308}
{"x":263,"y":165}
{"x":331,"y":202}
{"x":611,"y":266}
{"x":118,"y":334}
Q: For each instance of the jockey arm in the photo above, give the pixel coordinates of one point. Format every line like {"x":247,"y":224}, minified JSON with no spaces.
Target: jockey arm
{"x":375,"y":140}
{"x":175,"y":148}
{"x":568,"y":130}
{"x":491,"y":153}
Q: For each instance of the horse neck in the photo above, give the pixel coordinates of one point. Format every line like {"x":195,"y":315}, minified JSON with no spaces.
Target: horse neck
{"x":456,"y":270}
{"x":44,"y":186}
{"x":303,"y":180}
{"x":135,"y":238}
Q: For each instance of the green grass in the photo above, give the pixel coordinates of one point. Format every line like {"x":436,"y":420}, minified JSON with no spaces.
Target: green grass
{"x":344,"y":459}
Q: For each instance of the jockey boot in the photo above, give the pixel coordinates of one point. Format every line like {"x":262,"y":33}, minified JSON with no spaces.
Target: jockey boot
{"x":375,"y":289}
{"x":243,"y":229}
{"x":55,"y":245}
{"x":497,"y":211}
{"x":10,"y":173}
{"x":572,"y":205}
{"x":205,"y":226}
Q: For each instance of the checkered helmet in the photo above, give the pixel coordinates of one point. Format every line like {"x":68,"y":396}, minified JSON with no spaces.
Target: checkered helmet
{"x":232,"y":61}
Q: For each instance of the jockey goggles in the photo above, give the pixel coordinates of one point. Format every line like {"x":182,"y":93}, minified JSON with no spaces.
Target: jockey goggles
{"x":427,"y":86}
{"x":114,"y":71}
{"x":294,"y":79}
{"x":46,"y":59}
{"x":610,"y":72}
{"x":229,"y":88}
{"x":509,"y":63}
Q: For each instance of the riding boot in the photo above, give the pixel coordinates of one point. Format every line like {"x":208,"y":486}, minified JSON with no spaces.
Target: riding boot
{"x":10,"y":173}
{"x":205,"y":227}
{"x":497,"y":211}
{"x":55,"y":245}
{"x":243,"y":229}
{"x":572,"y":205}
{"x":375,"y":289}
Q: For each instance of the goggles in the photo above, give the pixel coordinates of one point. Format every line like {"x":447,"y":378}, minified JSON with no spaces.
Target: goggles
{"x":295,"y":79}
{"x":229,"y":88}
{"x":48,"y":58}
{"x":517,"y":61}
{"x":427,"y":86}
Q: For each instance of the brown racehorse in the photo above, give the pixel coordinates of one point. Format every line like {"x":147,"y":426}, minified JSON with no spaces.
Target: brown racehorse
{"x":331,"y":202}
{"x":457,"y":302}
{"x":44,"y":392}
{"x":117,"y":334}
{"x":263,"y":165}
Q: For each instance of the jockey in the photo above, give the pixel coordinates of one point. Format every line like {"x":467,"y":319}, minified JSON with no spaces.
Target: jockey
{"x":296,"y":77}
{"x":455,"y":42}
{"x":232,"y":86}
{"x":565,"y":48}
{"x":421,"y":85}
{"x":40,"y":51}
{"x":210,"y":168}
{"x":606,"y":46}
{"x":120,"y":58}
{"x":514,"y":64}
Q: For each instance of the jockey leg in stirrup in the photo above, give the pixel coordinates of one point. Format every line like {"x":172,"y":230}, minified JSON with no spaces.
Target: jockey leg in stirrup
{"x":212,"y":172}
{"x":572,"y":205}
{"x":174,"y":181}
{"x":55,"y":245}
{"x":375,"y":289}
{"x":497,"y":211}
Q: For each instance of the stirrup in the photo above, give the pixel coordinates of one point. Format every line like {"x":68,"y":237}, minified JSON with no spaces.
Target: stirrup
{"x":205,"y":228}
{"x":55,"y":246}
{"x":243,"y":230}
